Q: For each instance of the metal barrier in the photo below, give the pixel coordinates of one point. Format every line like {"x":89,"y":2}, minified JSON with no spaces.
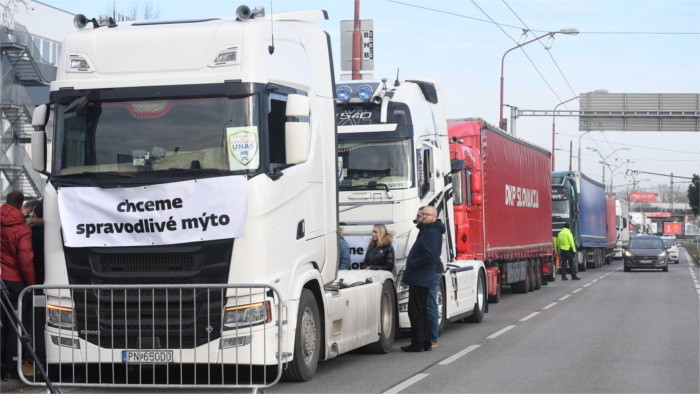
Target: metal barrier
{"x":155,"y":336}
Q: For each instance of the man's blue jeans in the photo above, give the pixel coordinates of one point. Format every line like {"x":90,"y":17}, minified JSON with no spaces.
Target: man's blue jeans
{"x":432,"y":307}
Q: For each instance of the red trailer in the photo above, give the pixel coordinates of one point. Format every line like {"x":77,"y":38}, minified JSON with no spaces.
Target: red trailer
{"x":503,"y":206}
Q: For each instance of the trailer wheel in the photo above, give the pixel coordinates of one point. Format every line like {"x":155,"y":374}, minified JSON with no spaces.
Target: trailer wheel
{"x":581,"y":258}
{"x":538,"y":274}
{"x":307,"y":340}
{"x":524,"y":285}
{"x":552,"y":271}
{"x":480,"y":304}
{"x":387,"y":321}
{"x":494,"y":298}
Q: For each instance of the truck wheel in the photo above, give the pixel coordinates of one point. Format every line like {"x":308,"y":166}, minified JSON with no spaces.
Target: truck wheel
{"x":442,"y":307}
{"x":581,"y":260}
{"x":494,"y":298}
{"x":552,"y":271}
{"x":480,"y":304}
{"x":524,"y":285}
{"x":387,"y":321}
{"x":307,"y":340}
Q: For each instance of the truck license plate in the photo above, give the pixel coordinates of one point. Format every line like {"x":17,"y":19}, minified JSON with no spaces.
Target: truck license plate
{"x":147,"y":356}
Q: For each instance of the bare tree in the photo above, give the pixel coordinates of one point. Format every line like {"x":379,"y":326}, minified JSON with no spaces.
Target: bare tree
{"x":9,"y":8}
{"x":145,"y":10}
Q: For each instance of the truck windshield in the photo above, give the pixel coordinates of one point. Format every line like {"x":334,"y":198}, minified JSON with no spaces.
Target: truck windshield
{"x":560,"y":208}
{"x":369,"y":164}
{"x":157,"y":135}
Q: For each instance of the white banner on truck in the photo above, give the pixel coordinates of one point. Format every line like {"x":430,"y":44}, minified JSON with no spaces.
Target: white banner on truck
{"x":171,"y":213}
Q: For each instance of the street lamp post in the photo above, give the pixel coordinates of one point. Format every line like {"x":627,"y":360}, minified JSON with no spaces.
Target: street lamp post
{"x":579,"y":149}
{"x":605,"y":159}
{"x":554,"y":132}
{"x":501,"y":122}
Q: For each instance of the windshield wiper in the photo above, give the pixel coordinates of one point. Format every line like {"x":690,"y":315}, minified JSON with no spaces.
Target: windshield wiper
{"x":89,"y":174}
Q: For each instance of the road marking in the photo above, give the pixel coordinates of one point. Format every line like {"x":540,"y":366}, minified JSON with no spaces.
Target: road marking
{"x":458,"y":355}
{"x":406,"y":383}
{"x":549,"y":306}
{"x":576,"y":291}
{"x":528,"y":317}
{"x":499,"y":332}
{"x":586,"y":285}
{"x":565,"y":297}
{"x":594,"y":280}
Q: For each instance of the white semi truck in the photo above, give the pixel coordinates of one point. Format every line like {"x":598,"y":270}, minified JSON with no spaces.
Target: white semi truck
{"x":199,"y":152}
{"x":393,"y":158}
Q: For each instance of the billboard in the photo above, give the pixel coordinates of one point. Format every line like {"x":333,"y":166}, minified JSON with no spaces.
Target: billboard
{"x":639,"y":196}
{"x":658,"y":214}
{"x":673,"y":228}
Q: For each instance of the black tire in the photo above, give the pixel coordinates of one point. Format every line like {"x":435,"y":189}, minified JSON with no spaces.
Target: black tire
{"x":494,"y":298}
{"x":387,"y":321}
{"x":480,"y":304}
{"x":307,"y":341}
{"x":523,"y":286}
{"x":581,"y":258}
{"x":538,"y":274}
{"x":628,"y":269}
{"x":665,"y":269}
{"x":442,"y":307}
{"x":552,"y":272}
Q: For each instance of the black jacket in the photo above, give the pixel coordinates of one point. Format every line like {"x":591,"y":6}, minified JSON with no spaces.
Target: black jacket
{"x":379,"y":258}
{"x":424,"y":255}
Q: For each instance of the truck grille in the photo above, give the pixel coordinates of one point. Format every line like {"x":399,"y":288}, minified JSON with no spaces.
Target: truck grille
{"x":150,"y":318}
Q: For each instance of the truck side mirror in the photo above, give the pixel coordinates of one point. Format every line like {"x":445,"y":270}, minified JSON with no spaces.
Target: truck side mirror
{"x":40,"y":117}
{"x":296,"y":140}
{"x":39,"y":151}
{"x":298,"y":106}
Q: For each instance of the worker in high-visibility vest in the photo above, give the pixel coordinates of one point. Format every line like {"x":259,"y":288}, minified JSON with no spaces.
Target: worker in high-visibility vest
{"x":567,"y":246}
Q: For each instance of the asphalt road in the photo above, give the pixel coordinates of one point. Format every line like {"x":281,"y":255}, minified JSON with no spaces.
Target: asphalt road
{"x":611,"y":332}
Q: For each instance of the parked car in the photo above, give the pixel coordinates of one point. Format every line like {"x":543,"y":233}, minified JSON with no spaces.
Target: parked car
{"x":671,"y":246}
{"x":646,"y":251}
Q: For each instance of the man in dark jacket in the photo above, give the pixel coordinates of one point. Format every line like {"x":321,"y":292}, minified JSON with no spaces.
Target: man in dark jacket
{"x":16,"y":270}
{"x":419,"y":274}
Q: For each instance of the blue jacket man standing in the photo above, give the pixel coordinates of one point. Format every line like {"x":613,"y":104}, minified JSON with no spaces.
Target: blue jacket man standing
{"x":419,"y":274}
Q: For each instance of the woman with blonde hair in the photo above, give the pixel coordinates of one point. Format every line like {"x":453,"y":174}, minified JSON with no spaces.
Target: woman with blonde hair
{"x":380,"y":253}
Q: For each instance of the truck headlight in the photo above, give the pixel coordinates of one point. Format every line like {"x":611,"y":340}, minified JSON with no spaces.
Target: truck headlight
{"x":60,"y":316}
{"x":247,"y":315}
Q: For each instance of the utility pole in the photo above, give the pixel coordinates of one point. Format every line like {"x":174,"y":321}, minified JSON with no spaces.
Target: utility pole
{"x":356,"y":44}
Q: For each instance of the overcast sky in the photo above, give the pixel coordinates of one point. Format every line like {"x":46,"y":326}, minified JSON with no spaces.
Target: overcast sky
{"x":630,"y":46}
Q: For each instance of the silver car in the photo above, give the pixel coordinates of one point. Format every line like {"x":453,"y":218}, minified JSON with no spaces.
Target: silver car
{"x":670,"y":244}
{"x":646,"y":251}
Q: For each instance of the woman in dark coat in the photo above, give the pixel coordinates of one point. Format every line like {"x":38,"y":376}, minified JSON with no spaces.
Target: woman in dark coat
{"x":380,"y":253}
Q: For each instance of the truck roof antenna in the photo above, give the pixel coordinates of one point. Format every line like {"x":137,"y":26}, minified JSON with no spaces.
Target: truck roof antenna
{"x":271,"y":48}
{"x":397,"y":83}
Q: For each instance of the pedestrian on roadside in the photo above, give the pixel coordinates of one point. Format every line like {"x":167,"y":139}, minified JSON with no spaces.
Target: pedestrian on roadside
{"x":567,"y":250}
{"x":380,"y":252}
{"x":345,"y":263}
{"x":16,"y":272}
{"x":419,"y":276}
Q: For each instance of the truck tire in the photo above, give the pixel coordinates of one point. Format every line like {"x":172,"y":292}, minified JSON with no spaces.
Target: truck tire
{"x":307,"y":341}
{"x":494,"y":298}
{"x":523,"y":286}
{"x":442,"y":307}
{"x":387,"y":321}
{"x":552,"y":271}
{"x":538,"y":274}
{"x":581,"y":257}
{"x":480,"y":304}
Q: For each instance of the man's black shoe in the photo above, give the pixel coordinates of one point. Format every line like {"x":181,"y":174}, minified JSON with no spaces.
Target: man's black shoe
{"x":412,"y":348}
{"x":576,"y":278}
{"x":427,"y":347}
{"x":564,"y":278}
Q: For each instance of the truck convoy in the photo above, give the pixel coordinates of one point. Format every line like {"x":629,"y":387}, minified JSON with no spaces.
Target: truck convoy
{"x":214,"y":167}
{"x":393,"y":158}
{"x":503,"y":212}
{"x":580,"y":202}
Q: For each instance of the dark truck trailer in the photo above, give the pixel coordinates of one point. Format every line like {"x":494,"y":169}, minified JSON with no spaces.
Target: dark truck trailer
{"x":505,"y":216}
{"x":581,"y":202}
